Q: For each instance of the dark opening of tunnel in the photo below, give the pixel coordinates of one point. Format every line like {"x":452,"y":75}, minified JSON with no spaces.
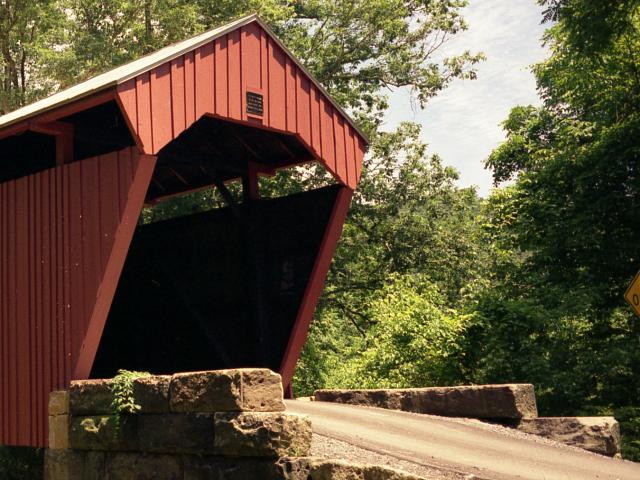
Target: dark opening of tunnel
{"x":214,"y":290}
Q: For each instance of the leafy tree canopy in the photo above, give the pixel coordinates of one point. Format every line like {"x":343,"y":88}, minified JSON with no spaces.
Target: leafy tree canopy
{"x":568,"y":225}
{"x":592,"y":24}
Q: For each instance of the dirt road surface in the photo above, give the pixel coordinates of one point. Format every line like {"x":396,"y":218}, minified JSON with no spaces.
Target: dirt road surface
{"x":464,"y":447}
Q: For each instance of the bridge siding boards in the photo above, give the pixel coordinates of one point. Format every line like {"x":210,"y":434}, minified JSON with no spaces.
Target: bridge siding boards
{"x":213,"y":80}
{"x":57,"y":231}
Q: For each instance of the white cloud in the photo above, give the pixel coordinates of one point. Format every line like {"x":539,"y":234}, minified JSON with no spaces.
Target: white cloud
{"x":462,"y":124}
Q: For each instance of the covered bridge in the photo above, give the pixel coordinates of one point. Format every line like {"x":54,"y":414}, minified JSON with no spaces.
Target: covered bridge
{"x":86,"y":289}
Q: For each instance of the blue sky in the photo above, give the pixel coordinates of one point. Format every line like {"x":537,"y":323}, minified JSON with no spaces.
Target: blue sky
{"x":462,"y":124}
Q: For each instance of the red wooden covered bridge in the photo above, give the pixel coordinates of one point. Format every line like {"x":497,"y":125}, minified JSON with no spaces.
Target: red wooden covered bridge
{"x":86,"y":289}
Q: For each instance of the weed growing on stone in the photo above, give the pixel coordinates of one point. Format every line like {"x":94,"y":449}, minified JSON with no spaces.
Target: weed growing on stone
{"x":124,"y":402}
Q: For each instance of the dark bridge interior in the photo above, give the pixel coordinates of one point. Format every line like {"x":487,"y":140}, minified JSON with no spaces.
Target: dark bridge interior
{"x":215,"y":290}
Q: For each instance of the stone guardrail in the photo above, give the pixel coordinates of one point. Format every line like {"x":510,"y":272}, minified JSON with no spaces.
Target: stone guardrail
{"x":596,"y":434}
{"x":225,"y":424}
{"x":512,"y":405}
{"x":511,"y":401}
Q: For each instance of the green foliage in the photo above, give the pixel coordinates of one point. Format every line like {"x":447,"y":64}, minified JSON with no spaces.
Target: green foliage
{"x":414,"y":339}
{"x":429,"y":285}
{"x":629,"y":418}
{"x":412,"y":252}
{"x":29,"y":31}
{"x":21,"y":463}
{"x":357,"y":49}
{"x":407,"y":216}
{"x":567,"y":228}
{"x":592,"y":24}
{"x":124,"y":402}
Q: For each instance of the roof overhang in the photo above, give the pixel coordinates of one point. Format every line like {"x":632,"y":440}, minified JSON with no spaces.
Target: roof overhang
{"x":106,"y":81}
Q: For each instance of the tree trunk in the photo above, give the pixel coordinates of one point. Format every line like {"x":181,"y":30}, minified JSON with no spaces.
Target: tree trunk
{"x":148,"y":27}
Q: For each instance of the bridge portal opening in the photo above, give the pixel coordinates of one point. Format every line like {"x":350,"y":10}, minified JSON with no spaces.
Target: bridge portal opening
{"x":219,"y":288}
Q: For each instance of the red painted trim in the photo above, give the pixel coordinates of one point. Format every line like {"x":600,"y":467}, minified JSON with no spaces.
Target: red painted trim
{"x":64,"y":133}
{"x":288,"y":391}
{"x":129,"y":113}
{"x":107,"y":290}
{"x":315,"y":285}
{"x":213,"y":80}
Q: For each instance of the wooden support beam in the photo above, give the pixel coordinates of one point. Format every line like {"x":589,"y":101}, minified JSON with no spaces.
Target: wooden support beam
{"x":263,"y":169}
{"x":250,"y":184}
{"x":249,"y":148}
{"x":64,"y":134}
{"x":314,"y":286}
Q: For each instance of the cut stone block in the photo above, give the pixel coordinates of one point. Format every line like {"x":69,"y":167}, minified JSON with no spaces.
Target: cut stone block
{"x":382,"y":398}
{"x":162,"y":433}
{"x":175,"y":433}
{"x":206,"y":392}
{"x":73,"y":464}
{"x":59,"y":431}
{"x":320,"y":469}
{"x":509,"y":401}
{"x":90,"y":397}
{"x":59,"y":403}
{"x":94,"y":397}
{"x":596,"y":434}
{"x":104,"y":433}
{"x":207,"y":468}
{"x":294,"y":468}
{"x":62,"y":464}
{"x":262,"y":390}
{"x":152,"y":393}
{"x":141,"y":466}
{"x":260,"y":434}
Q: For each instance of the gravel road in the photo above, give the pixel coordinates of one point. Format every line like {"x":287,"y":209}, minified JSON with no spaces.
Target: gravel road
{"x":330,"y":448}
{"x":429,"y":446}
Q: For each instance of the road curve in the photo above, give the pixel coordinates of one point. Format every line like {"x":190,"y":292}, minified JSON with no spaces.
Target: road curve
{"x":466,"y":448}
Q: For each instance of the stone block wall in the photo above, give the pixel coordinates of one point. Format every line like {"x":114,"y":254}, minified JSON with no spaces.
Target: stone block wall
{"x":597,"y":434}
{"x":225,"y":424}
{"x":512,"y":405}
{"x":509,"y":401}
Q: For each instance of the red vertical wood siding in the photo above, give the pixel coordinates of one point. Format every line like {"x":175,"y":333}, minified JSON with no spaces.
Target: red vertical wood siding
{"x":58,"y":232}
{"x":213,"y":80}
{"x":204,"y":83}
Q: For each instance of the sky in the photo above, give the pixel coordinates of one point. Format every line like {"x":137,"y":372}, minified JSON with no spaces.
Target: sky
{"x":462,"y":124}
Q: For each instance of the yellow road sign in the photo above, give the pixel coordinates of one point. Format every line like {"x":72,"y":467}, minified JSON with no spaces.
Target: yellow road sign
{"x":632,"y":295}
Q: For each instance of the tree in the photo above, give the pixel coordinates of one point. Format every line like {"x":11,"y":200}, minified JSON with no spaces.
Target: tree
{"x":556,"y":315}
{"x":592,"y":24}
{"x":412,"y":242}
{"x":107,"y":34}
{"x":576,"y":160}
{"x":414,"y":341}
{"x":29,"y":29}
